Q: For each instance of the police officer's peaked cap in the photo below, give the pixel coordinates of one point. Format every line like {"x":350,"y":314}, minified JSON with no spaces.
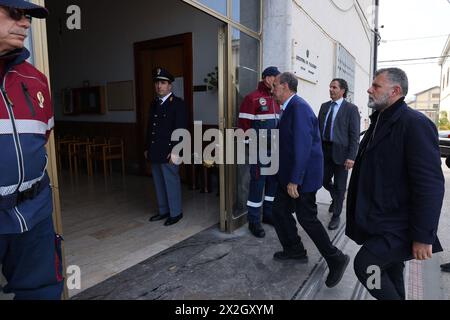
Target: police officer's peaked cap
{"x":162,"y":74}
{"x":271,"y":71}
{"x":30,"y":8}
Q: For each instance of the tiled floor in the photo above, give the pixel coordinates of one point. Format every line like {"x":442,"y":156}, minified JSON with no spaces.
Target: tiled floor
{"x":106,"y":228}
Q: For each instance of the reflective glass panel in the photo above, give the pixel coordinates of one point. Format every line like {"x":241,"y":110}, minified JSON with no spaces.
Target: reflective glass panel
{"x":245,"y":77}
{"x":247,"y":13}
{"x":217,"y":5}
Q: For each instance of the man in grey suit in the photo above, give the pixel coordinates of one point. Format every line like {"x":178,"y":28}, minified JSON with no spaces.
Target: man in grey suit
{"x":339,"y":122}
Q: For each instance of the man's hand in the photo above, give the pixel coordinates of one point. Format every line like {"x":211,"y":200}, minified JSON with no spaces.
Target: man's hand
{"x":349,"y":164}
{"x":292,"y":189}
{"x":422,"y":251}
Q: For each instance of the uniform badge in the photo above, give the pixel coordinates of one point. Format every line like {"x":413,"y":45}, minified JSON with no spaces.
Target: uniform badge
{"x":171,"y":99}
{"x":263,"y":102}
{"x":41,"y":99}
{"x":158,"y":72}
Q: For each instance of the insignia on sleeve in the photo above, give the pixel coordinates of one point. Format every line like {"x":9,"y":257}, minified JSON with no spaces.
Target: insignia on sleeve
{"x":41,"y":99}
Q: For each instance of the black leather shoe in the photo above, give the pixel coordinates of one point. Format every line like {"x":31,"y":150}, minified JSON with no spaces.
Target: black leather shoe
{"x":257,"y":230}
{"x":170,"y":221}
{"x":337,"y":266}
{"x":445,"y":267}
{"x":334,"y":223}
{"x":158,"y":217}
{"x":284,"y":255}
{"x":331,"y":208}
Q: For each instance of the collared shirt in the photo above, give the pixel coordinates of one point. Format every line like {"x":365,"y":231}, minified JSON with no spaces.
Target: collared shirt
{"x":284,"y":106}
{"x":165,"y":98}
{"x":336,"y":110}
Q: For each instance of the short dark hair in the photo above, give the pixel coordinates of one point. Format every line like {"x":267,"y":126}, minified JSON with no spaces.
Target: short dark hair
{"x":396,"y":76}
{"x":291,"y":80}
{"x":342,"y":84}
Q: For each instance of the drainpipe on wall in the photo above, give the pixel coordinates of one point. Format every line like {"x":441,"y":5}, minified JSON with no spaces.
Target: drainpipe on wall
{"x":376,"y":37}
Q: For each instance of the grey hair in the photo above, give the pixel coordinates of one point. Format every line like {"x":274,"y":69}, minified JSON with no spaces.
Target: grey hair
{"x":396,"y":76}
{"x":290,"y":79}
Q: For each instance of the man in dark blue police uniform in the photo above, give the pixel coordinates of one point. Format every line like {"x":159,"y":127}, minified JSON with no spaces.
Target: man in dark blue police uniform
{"x":167,"y":114}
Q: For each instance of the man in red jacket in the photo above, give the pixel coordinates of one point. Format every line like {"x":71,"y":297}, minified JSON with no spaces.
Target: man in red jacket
{"x":260,"y":111}
{"x":30,"y":252}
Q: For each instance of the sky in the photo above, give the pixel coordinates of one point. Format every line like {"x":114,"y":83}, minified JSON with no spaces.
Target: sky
{"x":406,"y":19}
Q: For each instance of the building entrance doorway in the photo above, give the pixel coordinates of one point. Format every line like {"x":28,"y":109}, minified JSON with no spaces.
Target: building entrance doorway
{"x":102,"y":90}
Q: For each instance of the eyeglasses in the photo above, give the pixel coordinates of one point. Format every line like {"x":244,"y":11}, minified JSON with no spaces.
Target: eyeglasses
{"x":16,"y":14}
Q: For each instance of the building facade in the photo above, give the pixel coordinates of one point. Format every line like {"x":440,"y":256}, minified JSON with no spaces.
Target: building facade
{"x":427,"y":102}
{"x":445,"y":79}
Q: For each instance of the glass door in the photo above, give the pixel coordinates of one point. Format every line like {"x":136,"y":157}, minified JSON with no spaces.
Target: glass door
{"x":222,"y":89}
{"x":239,"y":73}
{"x":243,"y":76}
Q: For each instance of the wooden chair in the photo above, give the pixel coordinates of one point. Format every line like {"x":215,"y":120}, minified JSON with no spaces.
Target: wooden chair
{"x":112,"y":151}
{"x":62,"y":148}
{"x":94,"y":151}
{"x":77,"y":151}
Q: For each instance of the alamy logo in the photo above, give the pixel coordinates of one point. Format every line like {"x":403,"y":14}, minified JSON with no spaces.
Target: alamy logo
{"x":74,"y":20}
{"x":73,"y":278}
{"x":228,"y":147}
{"x":374,"y":280}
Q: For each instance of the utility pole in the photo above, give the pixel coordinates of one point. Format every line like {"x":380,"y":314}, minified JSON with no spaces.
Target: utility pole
{"x":377,"y":38}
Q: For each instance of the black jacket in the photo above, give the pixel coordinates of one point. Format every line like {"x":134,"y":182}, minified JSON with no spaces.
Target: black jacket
{"x":397,"y":186}
{"x":162,"y":122}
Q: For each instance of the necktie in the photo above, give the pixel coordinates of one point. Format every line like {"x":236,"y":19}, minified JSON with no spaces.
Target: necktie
{"x":327,"y":134}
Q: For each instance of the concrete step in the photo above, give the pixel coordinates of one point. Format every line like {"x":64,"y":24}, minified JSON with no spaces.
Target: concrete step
{"x":348,"y":289}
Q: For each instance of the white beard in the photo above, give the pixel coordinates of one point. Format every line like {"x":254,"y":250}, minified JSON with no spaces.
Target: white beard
{"x":381,"y":104}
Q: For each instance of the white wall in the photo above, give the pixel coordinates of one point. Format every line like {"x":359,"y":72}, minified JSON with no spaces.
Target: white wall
{"x":102,"y":50}
{"x":285,"y":21}
{"x":343,"y":27}
{"x":318,"y":26}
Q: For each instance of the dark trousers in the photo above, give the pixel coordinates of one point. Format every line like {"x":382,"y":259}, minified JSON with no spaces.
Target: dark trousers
{"x":32,"y":263}
{"x":306,"y":211}
{"x":168,"y":188}
{"x":261,"y":194}
{"x":392,"y":285}
{"x":336,"y":172}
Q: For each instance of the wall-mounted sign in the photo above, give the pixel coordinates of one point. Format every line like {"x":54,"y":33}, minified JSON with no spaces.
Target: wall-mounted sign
{"x":345,"y":69}
{"x":305,"y":63}
{"x":120,"y":96}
